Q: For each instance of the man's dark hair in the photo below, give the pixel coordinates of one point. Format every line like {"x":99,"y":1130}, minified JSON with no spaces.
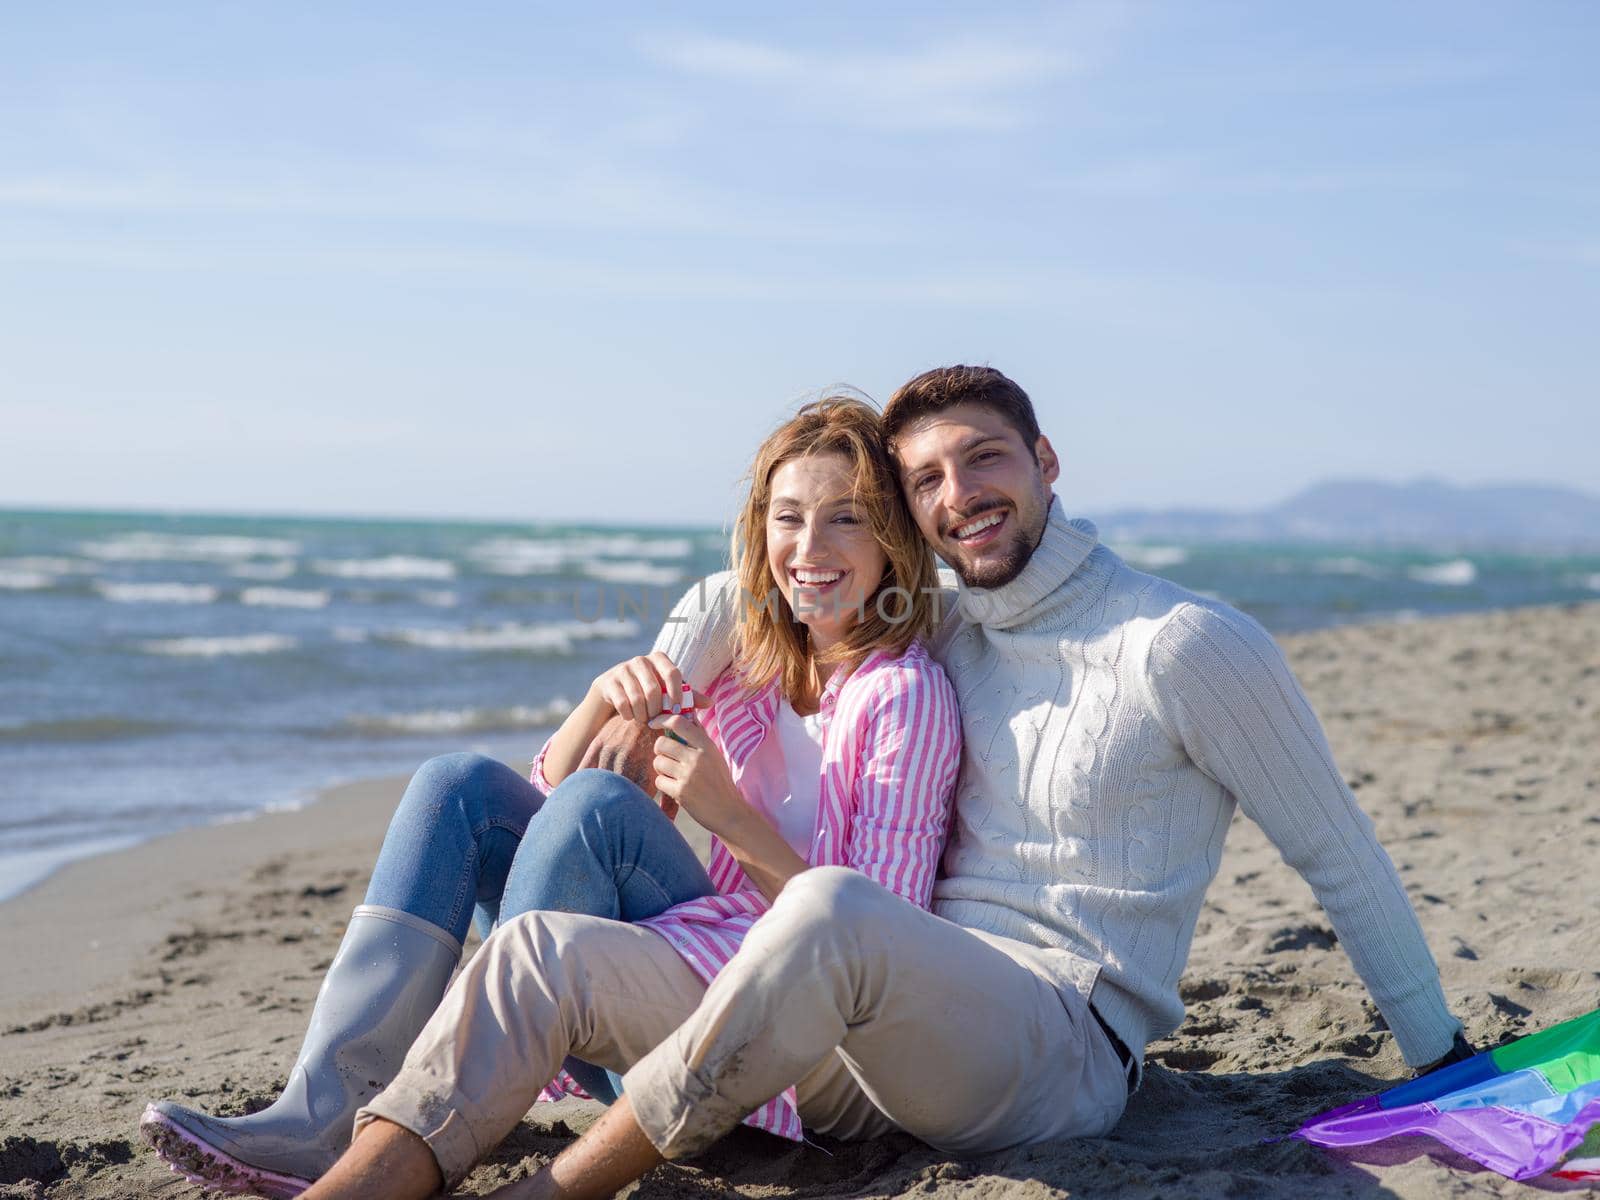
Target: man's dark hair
{"x":944,"y":387}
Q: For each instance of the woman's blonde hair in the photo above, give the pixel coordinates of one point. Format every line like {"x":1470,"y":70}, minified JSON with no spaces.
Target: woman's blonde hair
{"x":772,"y":644}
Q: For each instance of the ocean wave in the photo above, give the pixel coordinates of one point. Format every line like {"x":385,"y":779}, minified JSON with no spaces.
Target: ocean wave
{"x":1154,"y":558}
{"x":144,"y":546}
{"x":535,"y":556}
{"x":438,"y":598}
{"x":555,"y":638}
{"x":1348,"y":565}
{"x":221,"y":647}
{"x":460,"y":720}
{"x":80,"y":729}
{"x":284,"y":597}
{"x":635,"y":571}
{"x":50,"y":564}
{"x":1592,"y":582}
{"x":25,"y":581}
{"x":267,"y":572}
{"x":157,"y":593}
{"x":37,"y":572}
{"x":393,"y":566}
{"x":1458,"y":572}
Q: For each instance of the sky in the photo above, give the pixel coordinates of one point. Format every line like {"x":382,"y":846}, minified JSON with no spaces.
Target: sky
{"x":573,"y":262}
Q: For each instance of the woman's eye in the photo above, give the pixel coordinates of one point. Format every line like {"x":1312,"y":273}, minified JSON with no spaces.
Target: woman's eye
{"x":786,"y":518}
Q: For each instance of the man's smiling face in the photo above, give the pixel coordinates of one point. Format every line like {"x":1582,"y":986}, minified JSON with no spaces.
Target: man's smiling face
{"x":979,"y":493}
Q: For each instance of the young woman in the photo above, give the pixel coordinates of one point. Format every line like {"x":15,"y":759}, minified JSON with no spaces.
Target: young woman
{"x":832,"y":740}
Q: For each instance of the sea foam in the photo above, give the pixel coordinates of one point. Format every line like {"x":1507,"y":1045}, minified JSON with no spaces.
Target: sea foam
{"x":393,"y":566}
{"x":284,"y":597}
{"x":554,"y":638}
{"x":649,"y":574}
{"x":221,"y":647}
{"x":1154,"y":558}
{"x":537,"y":556}
{"x":461,"y":720}
{"x":144,"y":546}
{"x":1458,"y":572}
{"x":157,"y":593}
{"x":12,"y":580}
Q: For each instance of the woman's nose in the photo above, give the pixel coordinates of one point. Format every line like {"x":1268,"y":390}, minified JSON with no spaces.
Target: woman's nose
{"x":813,"y":539}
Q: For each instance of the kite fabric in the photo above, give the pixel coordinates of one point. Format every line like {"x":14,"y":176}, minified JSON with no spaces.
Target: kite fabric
{"x":1522,"y":1109}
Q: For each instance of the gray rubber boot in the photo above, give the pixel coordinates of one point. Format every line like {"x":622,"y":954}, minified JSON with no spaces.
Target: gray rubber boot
{"x":384,"y":983}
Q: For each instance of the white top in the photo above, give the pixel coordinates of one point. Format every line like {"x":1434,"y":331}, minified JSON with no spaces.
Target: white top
{"x":1112,"y":722}
{"x":783,"y":778}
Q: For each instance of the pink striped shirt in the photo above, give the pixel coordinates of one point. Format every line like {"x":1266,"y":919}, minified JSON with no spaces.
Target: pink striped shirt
{"x":891,"y":749}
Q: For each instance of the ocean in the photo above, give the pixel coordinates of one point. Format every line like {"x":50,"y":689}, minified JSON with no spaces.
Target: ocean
{"x":158,"y":671}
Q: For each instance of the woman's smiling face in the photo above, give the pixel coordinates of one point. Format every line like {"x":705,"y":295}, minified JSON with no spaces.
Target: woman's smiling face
{"x":820,"y":548}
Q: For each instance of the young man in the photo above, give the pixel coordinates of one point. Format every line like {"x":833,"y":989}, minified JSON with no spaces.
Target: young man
{"x":1111,"y":721}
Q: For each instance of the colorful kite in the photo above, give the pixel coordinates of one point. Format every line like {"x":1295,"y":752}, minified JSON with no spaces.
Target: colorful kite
{"x":1522,"y":1109}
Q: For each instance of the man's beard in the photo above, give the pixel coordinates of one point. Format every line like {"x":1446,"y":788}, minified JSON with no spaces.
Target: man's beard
{"x":996,"y":571}
{"x":1002,"y":564}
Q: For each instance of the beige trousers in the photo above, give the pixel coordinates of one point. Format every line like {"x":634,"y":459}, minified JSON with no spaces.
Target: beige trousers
{"x":883,"y":1016}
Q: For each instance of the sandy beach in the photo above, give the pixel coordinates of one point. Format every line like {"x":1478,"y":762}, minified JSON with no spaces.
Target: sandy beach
{"x":186,"y":967}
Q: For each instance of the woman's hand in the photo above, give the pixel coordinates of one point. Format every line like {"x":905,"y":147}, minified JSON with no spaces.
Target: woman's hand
{"x":691,"y":771}
{"x":630,"y":690}
{"x":639,"y":688}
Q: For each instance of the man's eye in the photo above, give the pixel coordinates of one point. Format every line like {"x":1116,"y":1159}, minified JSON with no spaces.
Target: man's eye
{"x":925,"y":482}
{"x":984,"y":455}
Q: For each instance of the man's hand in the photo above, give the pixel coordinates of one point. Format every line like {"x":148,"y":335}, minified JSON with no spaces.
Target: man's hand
{"x":626,"y":747}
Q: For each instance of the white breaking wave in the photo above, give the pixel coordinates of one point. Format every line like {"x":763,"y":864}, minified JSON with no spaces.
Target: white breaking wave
{"x":534,"y":556}
{"x":50,"y":564}
{"x":393,"y":566}
{"x":1154,"y":558}
{"x":464,"y":720}
{"x":219,"y":647}
{"x":438,"y":598}
{"x":1592,"y":582}
{"x":557,"y":638}
{"x":265,"y":571}
{"x":173,"y":547}
{"x":1347,"y":566}
{"x":157,"y":593}
{"x":1458,"y":572}
{"x":284,"y":597}
{"x":632,"y":572}
{"x":24,"y":581}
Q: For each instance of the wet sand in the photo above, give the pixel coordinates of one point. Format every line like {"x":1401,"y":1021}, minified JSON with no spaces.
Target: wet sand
{"x":186,"y":967}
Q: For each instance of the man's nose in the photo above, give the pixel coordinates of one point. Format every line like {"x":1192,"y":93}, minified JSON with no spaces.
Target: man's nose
{"x":960,"y":490}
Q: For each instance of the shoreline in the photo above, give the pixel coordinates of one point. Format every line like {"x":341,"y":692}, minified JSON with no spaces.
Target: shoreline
{"x":186,"y":966}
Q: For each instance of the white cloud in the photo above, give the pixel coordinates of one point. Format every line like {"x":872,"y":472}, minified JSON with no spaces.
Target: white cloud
{"x":977,"y":85}
{"x":1162,"y":176}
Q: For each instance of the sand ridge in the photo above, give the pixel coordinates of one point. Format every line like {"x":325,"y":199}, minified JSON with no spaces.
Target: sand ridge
{"x":186,"y":967}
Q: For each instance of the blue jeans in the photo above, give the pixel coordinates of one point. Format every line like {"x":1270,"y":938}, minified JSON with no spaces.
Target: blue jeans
{"x":471,"y":836}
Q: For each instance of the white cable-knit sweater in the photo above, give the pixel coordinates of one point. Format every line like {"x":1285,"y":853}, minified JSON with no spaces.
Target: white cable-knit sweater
{"x":1112,"y":720}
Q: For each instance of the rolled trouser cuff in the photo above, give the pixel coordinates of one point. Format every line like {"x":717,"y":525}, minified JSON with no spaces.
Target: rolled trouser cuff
{"x":435,"y":1116}
{"x":678,"y":1109}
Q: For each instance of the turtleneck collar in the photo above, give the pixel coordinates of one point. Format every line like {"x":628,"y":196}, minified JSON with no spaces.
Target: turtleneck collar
{"x":1058,"y":557}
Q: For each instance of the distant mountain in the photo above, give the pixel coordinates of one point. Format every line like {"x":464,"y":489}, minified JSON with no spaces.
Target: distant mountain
{"x":1366,"y":512}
